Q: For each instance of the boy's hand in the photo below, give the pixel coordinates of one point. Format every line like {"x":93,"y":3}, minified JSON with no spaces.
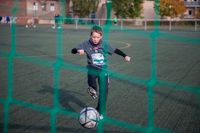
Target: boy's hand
{"x":81,"y":52}
{"x":127,"y":58}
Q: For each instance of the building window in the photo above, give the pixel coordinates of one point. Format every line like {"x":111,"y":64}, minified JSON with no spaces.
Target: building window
{"x":43,"y":6}
{"x":190,"y":12}
{"x":52,"y":7}
{"x":35,"y":6}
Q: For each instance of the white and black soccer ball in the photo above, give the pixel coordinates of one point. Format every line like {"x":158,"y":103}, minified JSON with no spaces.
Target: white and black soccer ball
{"x":89,"y":117}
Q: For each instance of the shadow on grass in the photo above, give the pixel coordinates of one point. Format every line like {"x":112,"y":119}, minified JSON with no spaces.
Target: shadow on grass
{"x":66,"y":98}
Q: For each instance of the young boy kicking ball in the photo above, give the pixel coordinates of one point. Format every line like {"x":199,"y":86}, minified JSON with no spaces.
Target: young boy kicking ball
{"x":96,"y":50}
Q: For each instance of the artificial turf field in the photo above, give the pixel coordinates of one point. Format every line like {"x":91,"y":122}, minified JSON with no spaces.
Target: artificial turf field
{"x":43,"y":86}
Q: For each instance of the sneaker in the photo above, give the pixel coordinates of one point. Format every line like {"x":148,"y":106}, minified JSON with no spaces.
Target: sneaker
{"x":92,"y":92}
{"x":101,"y":117}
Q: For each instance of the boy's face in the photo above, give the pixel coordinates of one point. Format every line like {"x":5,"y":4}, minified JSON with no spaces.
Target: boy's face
{"x":96,"y":37}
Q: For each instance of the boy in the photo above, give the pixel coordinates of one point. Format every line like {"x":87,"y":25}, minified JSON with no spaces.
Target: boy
{"x":96,"y":50}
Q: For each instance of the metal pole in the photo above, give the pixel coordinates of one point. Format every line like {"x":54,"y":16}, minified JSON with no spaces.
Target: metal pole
{"x":121,"y":24}
{"x":99,"y":22}
{"x":76,"y":21}
{"x":170,"y":25}
{"x":145,"y":24}
{"x":195,"y":26}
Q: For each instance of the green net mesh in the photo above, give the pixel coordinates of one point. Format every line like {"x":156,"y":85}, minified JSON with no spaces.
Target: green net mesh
{"x":58,"y":64}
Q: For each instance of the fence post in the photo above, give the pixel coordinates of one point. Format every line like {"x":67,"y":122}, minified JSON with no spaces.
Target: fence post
{"x":121,"y":24}
{"x":76,"y":21}
{"x":195,"y":25}
{"x":99,"y":22}
{"x":145,"y":24}
{"x":170,"y":25}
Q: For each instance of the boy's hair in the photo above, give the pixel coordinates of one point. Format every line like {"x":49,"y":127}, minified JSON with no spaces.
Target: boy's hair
{"x":97,"y":29}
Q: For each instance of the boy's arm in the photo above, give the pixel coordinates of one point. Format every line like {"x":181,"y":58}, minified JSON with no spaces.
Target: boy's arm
{"x":119,"y":52}
{"x":79,"y":49}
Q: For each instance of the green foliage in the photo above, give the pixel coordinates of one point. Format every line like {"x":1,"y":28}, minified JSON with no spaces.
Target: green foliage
{"x":171,"y":8}
{"x":127,"y":8}
{"x":83,"y":8}
{"x":198,"y":13}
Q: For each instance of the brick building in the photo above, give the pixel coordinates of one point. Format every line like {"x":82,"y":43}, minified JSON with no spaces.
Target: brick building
{"x":39,"y":9}
{"x":193,"y":8}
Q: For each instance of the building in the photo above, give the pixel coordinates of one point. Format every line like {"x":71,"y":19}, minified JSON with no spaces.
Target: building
{"x":148,"y":10}
{"x":192,"y":8}
{"x":41,"y":10}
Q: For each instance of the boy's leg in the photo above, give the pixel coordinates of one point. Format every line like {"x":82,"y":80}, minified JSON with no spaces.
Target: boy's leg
{"x":92,"y":89}
{"x":103,"y":93}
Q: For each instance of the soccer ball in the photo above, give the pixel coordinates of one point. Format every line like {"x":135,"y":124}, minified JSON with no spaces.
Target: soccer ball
{"x":88,"y":117}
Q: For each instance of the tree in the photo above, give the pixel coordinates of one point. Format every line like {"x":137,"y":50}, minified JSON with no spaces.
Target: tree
{"x":198,"y":13}
{"x":84,"y":7}
{"x":127,"y":8}
{"x":170,"y":8}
